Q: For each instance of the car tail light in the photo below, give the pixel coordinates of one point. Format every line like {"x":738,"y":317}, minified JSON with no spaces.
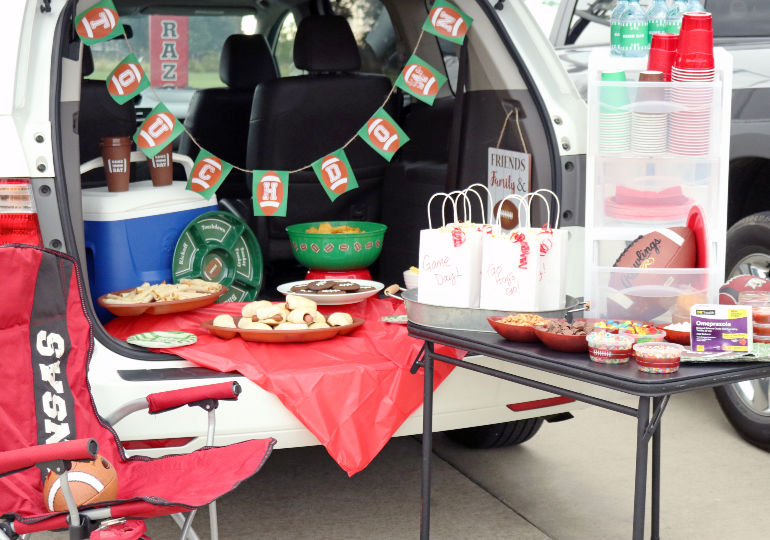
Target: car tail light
{"x":18,"y":215}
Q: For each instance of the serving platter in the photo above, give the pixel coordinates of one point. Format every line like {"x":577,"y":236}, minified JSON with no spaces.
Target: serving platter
{"x":282,"y":336}
{"x":332,"y":299}
{"x":158,"y":308}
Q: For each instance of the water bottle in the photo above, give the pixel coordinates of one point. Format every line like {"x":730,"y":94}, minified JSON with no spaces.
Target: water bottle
{"x":615,"y":26}
{"x":633,"y":30}
{"x":656,"y":18}
{"x":674,"y":16}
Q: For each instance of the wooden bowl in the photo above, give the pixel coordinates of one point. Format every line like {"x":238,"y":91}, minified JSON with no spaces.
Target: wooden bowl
{"x":513,"y":332}
{"x":560,"y":342}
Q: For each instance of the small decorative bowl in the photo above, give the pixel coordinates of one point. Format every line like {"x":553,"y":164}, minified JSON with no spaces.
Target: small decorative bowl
{"x":609,"y":348}
{"x":561,"y":342}
{"x":676,"y":336}
{"x":658,"y":357}
{"x":513,"y":332}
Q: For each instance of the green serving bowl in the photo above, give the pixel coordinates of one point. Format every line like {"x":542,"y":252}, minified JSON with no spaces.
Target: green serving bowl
{"x":339,"y":251}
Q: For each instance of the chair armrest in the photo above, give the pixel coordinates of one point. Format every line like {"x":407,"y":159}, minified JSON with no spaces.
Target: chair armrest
{"x":22,"y":458}
{"x":165,"y":401}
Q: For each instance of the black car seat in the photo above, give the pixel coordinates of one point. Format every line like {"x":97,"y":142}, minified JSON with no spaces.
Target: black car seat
{"x":99,"y":116}
{"x":218,"y":118}
{"x":297,"y":120}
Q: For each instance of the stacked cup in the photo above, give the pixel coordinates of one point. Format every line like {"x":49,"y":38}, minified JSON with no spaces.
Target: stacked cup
{"x":690,"y":127}
{"x":648,"y":124}
{"x":662,"y":53}
{"x":614,"y":116}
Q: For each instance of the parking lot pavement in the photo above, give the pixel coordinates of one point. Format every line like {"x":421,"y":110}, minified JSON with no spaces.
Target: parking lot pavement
{"x":572,"y":481}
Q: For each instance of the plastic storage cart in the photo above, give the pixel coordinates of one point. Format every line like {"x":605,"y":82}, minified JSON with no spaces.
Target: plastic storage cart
{"x":637,"y":183}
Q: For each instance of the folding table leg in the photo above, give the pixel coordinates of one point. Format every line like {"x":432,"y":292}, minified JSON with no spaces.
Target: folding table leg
{"x":640,"y":481}
{"x":427,"y":440}
{"x":655,"y":511}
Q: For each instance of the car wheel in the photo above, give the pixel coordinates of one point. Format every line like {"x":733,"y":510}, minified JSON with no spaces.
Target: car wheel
{"x":747,"y":404}
{"x":496,"y":435}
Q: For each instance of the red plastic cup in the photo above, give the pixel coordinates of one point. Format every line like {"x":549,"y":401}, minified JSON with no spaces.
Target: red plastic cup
{"x":696,"y":20}
{"x":663,"y":53}
{"x":694,"y":60}
{"x":695,"y":50}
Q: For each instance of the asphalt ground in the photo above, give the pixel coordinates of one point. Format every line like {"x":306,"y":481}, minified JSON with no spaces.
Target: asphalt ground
{"x":572,"y":481}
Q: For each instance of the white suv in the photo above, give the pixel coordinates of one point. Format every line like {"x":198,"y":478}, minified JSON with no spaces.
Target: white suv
{"x":509,"y":64}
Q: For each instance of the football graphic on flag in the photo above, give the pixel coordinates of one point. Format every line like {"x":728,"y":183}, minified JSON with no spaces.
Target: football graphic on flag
{"x":206,"y":174}
{"x":97,"y":23}
{"x":421,"y":80}
{"x":382,"y":134}
{"x":270,"y":193}
{"x":448,"y":22}
{"x":334,"y":174}
{"x":156,"y":130}
{"x":125,"y":80}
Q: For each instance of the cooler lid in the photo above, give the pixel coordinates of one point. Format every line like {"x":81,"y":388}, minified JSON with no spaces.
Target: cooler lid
{"x":141,"y":200}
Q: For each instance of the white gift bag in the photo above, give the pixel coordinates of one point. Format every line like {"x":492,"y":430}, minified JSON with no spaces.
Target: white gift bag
{"x":450,"y":259}
{"x":509,"y":267}
{"x":552,"y":264}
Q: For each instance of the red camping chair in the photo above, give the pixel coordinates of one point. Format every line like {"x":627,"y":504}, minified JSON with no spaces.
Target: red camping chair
{"x":47,"y":341}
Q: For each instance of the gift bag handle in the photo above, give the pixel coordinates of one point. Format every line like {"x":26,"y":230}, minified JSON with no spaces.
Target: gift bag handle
{"x":530,"y":198}
{"x":456,"y":194}
{"x":443,"y":206}
{"x":558,"y":205}
{"x":471,"y":189}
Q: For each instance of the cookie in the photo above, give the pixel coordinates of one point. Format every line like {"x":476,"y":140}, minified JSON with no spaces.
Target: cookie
{"x":320,"y":285}
{"x":347,"y":286}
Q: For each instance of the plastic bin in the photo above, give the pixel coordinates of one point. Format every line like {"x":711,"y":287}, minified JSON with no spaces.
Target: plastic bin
{"x":130,"y":236}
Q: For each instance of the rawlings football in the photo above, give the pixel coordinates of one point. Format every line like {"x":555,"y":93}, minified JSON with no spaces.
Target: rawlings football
{"x":448,"y":22}
{"x":90,"y":481}
{"x":664,"y":248}
{"x":728,"y":293}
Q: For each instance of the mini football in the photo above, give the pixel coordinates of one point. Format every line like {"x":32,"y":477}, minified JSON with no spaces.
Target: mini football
{"x":90,"y":481}
{"x":509,"y":214}
{"x":729,"y":292}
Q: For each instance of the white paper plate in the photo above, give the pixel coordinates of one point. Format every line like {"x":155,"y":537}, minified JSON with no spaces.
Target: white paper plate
{"x":326,"y":299}
{"x":162,"y":339}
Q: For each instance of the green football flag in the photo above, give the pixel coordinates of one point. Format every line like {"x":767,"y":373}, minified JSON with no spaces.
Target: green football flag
{"x":447,"y":21}
{"x":270,"y":192}
{"x":127,"y":80}
{"x":158,"y":130}
{"x":420,"y":79}
{"x":207,"y":174}
{"x":335,"y":174}
{"x":383,"y":134}
{"x":98,"y":23}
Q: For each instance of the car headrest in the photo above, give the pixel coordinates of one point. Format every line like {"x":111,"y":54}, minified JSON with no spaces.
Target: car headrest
{"x":246,"y":61}
{"x":87,"y":65}
{"x":326,"y":43}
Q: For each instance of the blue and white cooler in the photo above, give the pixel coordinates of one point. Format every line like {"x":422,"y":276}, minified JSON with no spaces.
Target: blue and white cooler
{"x":130,"y":235}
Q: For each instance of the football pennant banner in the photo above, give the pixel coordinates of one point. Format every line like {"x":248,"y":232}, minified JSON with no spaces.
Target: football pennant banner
{"x":127,"y":80}
{"x":335,"y":174}
{"x":98,"y":23}
{"x":207,"y":174}
{"x":446,"y":21}
{"x":420,"y":79}
{"x":383,"y":134}
{"x":158,"y":130}
{"x":270,"y":192}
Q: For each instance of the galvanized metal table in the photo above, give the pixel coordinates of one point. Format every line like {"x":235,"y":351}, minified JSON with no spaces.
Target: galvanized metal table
{"x":653,"y":391}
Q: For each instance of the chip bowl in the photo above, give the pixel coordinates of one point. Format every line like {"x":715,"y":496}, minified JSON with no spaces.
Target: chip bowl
{"x":337,"y":251}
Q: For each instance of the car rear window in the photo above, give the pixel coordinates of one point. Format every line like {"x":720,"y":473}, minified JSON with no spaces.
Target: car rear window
{"x":740,"y":18}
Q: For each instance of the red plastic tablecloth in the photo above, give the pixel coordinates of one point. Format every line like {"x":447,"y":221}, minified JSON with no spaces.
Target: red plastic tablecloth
{"x":352,"y":392}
